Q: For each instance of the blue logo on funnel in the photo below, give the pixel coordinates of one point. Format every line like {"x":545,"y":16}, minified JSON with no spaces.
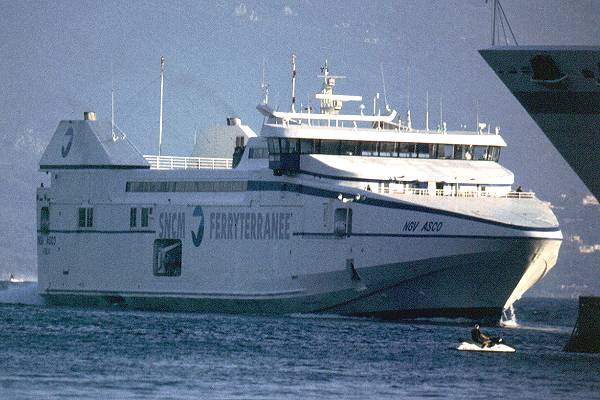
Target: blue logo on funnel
{"x":64,"y":151}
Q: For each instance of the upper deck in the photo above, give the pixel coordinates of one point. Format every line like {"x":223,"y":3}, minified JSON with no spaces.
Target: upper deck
{"x":329,"y":123}
{"x":380,"y":153}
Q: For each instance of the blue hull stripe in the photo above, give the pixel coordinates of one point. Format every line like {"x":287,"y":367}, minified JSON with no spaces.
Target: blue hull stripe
{"x":355,"y":179}
{"x":94,"y":231}
{"x":420,"y":236}
{"x":331,"y":234}
{"x":344,"y":178}
{"x":312,"y":191}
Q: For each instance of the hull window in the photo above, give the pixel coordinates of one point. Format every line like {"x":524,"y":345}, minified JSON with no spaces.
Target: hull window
{"x":86,"y":217}
{"x":45,"y":220}
{"x":133,"y":217}
{"x":167,"y":257}
{"x":146,"y":212}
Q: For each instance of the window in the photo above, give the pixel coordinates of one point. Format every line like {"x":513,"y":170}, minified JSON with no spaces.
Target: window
{"x":459,"y":150}
{"x":133,"y":217}
{"x":285,"y":146}
{"x":441,"y":151}
{"x":45,"y":220}
{"x":306,"y":146}
{"x":145,"y":213}
{"x":480,"y":153}
{"x":86,"y":217}
{"x":422,"y":150}
{"x":294,"y":146}
{"x":167,"y":257}
{"x":494,"y":153}
{"x":330,"y":147}
{"x":368,"y":148}
{"x":433,"y":150}
{"x":187,"y":186}
{"x":387,"y":149}
{"x":448,"y":152}
{"x":271,"y":144}
{"x":406,"y":150}
{"x":258,"y":153}
{"x":90,"y":217}
{"x":349,"y":148}
{"x":82,"y":217}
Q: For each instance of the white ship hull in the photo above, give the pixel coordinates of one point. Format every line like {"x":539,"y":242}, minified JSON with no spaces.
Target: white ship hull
{"x":409,"y":258}
{"x":322,"y":212}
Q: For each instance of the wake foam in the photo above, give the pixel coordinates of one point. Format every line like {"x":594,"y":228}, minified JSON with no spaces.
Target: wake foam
{"x":509,"y":318}
{"x":20,"y":293}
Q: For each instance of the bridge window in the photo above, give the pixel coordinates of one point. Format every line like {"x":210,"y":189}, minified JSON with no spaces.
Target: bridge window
{"x":493,"y":153}
{"x":258,"y":153}
{"x":480,"y":153}
{"x":279,"y":146}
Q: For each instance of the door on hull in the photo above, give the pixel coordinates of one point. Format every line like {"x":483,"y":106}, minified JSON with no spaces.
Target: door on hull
{"x":167,"y":257}
{"x":342,"y":221}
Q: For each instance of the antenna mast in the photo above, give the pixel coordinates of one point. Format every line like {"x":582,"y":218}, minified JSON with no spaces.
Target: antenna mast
{"x":477,"y":112}
{"x":441,"y":113}
{"x":293,"y":82}
{"x":383,"y":82}
{"x":160,"y":129}
{"x":263,"y":84}
{"x":427,"y":110}
{"x":499,"y":18}
{"x":408,"y":119}
{"x":112,"y":103}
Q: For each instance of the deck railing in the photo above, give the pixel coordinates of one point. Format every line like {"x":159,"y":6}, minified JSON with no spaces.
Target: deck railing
{"x":456,"y":193}
{"x":170,"y":162}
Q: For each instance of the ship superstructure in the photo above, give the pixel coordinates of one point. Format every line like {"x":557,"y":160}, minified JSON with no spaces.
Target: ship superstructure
{"x":323,"y":211}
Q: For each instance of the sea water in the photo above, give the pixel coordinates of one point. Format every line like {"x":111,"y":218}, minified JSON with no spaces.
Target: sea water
{"x":61,"y":352}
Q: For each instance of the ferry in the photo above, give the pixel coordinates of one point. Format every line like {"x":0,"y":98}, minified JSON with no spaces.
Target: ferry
{"x":323,"y":211}
{"x":559,"y":86}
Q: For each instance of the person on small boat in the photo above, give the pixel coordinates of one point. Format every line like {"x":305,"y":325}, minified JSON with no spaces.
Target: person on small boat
{"x":479,"y":337}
